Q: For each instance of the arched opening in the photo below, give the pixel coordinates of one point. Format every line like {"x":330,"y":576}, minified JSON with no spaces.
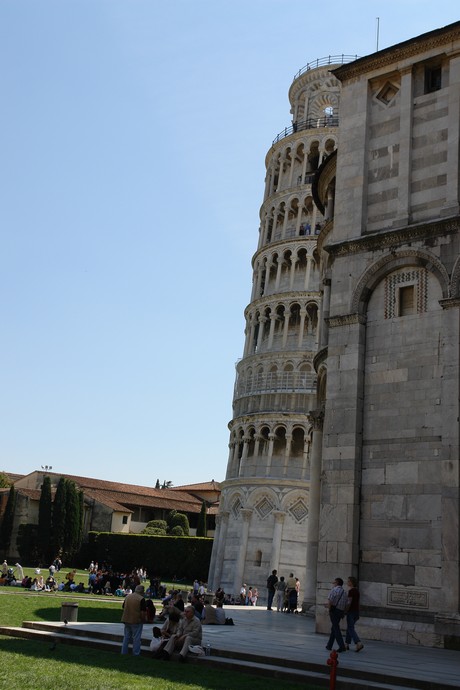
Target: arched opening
{"x":298,"y":442}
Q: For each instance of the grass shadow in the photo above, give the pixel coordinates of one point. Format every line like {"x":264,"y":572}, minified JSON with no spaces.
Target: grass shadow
{"x":75,"y":665}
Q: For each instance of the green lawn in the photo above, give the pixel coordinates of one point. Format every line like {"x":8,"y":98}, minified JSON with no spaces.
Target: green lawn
{"x":30,"y":664}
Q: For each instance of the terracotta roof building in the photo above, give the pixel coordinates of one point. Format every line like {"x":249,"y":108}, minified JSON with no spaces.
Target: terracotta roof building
{"x":113,"y":506}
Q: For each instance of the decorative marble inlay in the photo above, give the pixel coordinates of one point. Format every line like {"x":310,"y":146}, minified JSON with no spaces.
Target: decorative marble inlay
{"x":408,"y":598}
{"x":264,"y":507}
{"x":298,"y":510}
{"x":417,"y":277}
{"x":387,"y":93}
{"x":236,"y":507}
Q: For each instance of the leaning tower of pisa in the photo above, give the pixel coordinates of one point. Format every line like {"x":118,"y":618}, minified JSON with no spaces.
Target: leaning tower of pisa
{"x":263,"y":517}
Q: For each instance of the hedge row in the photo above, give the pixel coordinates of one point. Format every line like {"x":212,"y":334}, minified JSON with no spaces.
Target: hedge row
{"x":183,"y":558}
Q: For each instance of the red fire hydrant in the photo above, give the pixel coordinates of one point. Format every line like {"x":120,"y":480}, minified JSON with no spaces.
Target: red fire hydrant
{"x":333,"y":662}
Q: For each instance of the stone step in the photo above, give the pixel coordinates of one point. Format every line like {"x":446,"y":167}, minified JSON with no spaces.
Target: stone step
{"x":246,"y":662}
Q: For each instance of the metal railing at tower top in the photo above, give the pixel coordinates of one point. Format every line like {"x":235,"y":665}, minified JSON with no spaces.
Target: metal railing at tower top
{"x":329,"y":60}
{"x":311,"y":123}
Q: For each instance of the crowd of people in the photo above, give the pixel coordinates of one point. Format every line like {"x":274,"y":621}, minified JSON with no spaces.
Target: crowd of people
{"x":182,"y":616}
{"x":285,"y":593}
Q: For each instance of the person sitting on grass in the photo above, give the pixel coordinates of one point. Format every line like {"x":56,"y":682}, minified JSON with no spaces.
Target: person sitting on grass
{"x":50,"y":584}
{"x":188,"y":633}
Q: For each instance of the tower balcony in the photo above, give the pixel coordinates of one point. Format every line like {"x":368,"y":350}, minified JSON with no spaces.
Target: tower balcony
{"x":275,"y":382}
{"x":311,"y":123}
{"x":325,"y":62}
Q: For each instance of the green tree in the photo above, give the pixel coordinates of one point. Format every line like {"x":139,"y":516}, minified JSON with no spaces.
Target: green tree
{"x":59,"y":517}
{"x":166,"y":485}
{"x":7,"y":522}
{"x":155,"y":527}
{"x":177,"y":531}
{"x":81,"y":504}
{"x":5,"y":481}
{"x":202,"y":527}
{"x":27,"y":543}
{"x":72,"y":521}
{"x":157,"y":485}
{"x":45,"y":522}
{"x":174,"y":518}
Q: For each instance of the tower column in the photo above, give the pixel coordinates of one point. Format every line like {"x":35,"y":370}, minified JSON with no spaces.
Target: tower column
{"x":272,"y":329}
{"x":292,"y":272}
{"x":285,"y":220}
{"x":307,"y":273}
{"x":266,"y":226}
{"x":316,"y":419}
{"x":262,"y":321}
{"x":303,"y":313}
{"x":280,"y":176}
{"x":260,"y":272}
{"x":325,"y":313}
{"x":298,"y":219}
{"x":244,"y":455}
{"x":231,"y":452}
{"x":271,"y":441}
{"x":287,"y":453}
{"x":217,"y":558}
{"x":249,"y":337}
{"x":286,"y":327}
{"x":272,"y":181}
{"x":239,"y":568}
{"x":278,"y":272}
{"x":276,"y":540}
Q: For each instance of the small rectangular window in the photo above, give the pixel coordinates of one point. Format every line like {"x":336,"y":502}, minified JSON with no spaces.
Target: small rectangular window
{"x":406,"y":298}
{"x":125,"y":519}
{"x":433,"y":79}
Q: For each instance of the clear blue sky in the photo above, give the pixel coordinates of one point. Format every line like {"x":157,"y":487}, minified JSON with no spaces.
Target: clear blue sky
{"x":133,"y":137}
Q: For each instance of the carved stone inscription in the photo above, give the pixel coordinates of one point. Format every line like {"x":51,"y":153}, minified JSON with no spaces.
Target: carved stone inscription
{"x":408,"y":598}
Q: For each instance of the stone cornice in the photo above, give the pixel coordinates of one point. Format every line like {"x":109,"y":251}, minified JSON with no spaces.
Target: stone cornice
{"x":276,"y":356}
{"x":450,"y":302}
{"x":292,"y":244}
{"x":264,"y":482}
{"x":346,"y":320}
{"x":393,"y":238}
{"x":402,"y":51}
{"x":277,"y":298}
{"x":282,"y":417}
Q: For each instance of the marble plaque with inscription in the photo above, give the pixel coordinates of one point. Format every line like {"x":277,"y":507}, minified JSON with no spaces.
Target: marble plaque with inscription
{"x":407,"y":598}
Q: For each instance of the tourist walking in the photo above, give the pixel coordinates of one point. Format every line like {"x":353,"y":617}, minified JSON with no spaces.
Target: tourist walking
{"x":353,"y":615}
{"x":336,"y":603}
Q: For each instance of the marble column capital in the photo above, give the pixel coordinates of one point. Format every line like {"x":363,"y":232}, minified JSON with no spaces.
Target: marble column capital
{"x":246,"y":514}
{"x":316,"y":418}
{"x":279,"y":516}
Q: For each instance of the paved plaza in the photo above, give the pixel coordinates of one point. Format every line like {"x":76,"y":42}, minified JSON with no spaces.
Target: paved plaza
{"x":260,"y":637}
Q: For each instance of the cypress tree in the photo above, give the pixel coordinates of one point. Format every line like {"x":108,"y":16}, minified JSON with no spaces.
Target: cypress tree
{"x":72,"y":520}
{"x":45,"y":521}
{"x":81,"y":507}
{"x":202,"y":528}
{"x":59,"y":517}
{"x":7,"y":522}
